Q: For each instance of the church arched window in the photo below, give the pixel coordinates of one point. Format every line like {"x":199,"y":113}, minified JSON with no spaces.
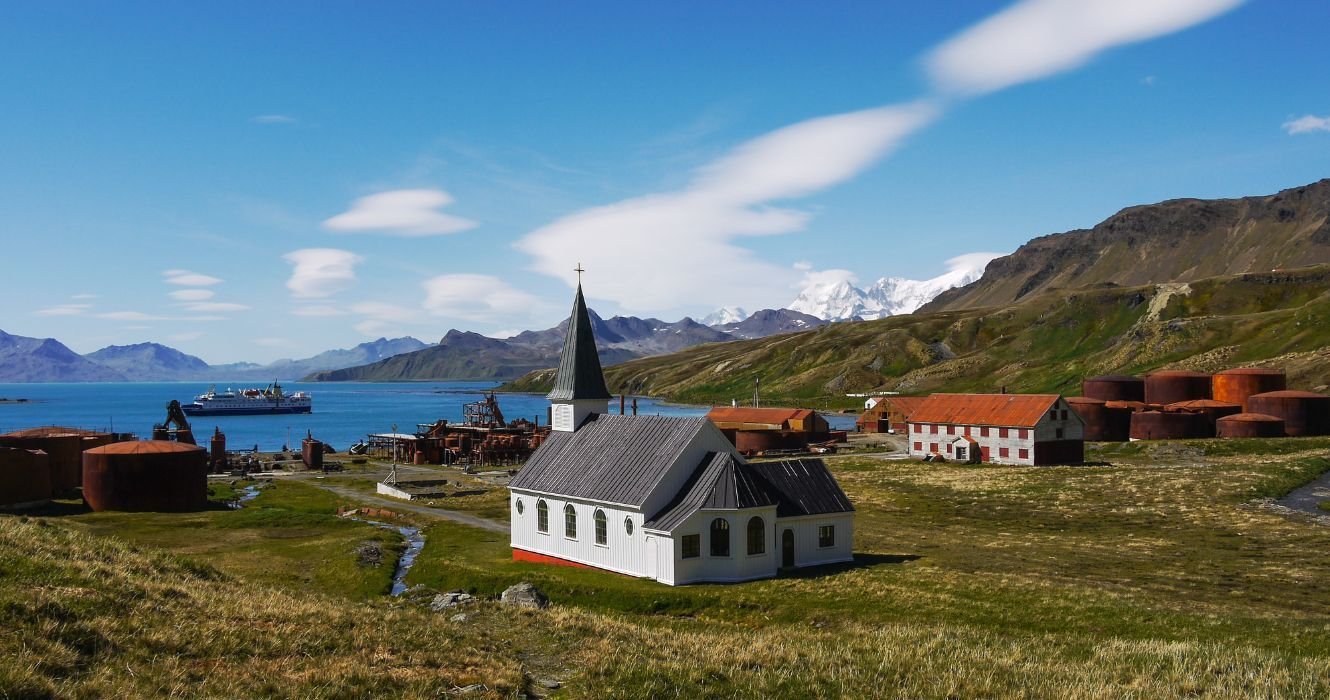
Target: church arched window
{"x":757,"y":536}
{"x":601,"y":530}
{"x":542,"y":516}
{"x":569,"y":522}
{"x":720,"y":537}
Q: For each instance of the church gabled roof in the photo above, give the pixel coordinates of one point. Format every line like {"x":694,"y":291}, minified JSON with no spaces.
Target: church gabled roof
{"x":615,"y":459}
{"x":800,"y":487}
{"x":580,"y":375}
{"x":720,"y":482}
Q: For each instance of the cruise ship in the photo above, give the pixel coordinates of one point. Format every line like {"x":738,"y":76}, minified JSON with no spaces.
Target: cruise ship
{"x":249,"y":402}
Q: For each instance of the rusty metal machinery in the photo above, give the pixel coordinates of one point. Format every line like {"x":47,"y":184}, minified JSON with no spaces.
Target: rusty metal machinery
{"x":1114,"y":387}
{"x":1237,"y":385}
{"x":1304,"y":412}
{"x":1249,"y":425}
{"x":1171,"y":386}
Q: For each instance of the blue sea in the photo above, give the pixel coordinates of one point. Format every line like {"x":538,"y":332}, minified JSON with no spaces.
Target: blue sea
{"x":344,"y":413}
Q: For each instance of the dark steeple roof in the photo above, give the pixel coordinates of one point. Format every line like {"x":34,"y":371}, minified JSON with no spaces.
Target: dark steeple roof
{"x":580,"y":376}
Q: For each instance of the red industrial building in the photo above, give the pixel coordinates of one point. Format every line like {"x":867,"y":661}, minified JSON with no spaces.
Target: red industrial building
{"x":760,"y":430}
{"x":889,"y":414}
{"x":999,"y":428}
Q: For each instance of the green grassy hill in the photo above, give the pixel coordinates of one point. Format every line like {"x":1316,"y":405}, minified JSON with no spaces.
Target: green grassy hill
{"x":1049,"y":342}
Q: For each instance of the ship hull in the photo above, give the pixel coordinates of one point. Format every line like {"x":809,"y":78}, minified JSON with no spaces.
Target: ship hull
{"x":247,"y":411}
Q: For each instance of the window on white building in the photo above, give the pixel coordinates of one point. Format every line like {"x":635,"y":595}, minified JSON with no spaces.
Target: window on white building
{"x":569,"y":522}
{"x":720,"y":537}
{"x":826,"y":535}
{"x":602,"y":534}
{"x":520,"y":508}
{"x":691,"y":546}
{"x":542,"y":516}
{"x":628,"y":526}
{"x":757,"y":536}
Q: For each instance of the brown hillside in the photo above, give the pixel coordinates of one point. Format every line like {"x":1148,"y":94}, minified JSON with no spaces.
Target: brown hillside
{"x":1180,"y":240}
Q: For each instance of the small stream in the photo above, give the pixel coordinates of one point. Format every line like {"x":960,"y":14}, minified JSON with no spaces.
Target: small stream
{"x":414,"y":543}
{"x":414,"y":540}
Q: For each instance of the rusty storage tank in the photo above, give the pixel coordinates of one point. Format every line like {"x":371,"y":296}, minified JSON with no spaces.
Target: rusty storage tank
{"x":1171,"y":386}
{"x":754,"y":441}
{"x":1235,"y":385}
{"x":217,"y":450}
{"x":1130,"y":406}
{"x":146,"y":475}
{"x":1211,"y":409}
{"x":1114,"y":387}
{"x":1157,"y":425}
{"x":1304,"y":412}
{"x":25,"y":476}
{"x":1102,"y":424}
{"x":311,"y":453}
{"x":1249,"y":425}
{"x":63,"y":447}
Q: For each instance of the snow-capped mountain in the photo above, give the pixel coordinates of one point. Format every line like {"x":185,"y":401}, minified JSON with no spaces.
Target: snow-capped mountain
{"x":832,"y":295}
{"x":724,"y":316}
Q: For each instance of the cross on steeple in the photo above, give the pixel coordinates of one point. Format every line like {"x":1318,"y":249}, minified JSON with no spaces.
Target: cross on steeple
{"x":579,"y":272}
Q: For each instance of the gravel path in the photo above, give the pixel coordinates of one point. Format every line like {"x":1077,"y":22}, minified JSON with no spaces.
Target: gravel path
{"x":394,"y":504}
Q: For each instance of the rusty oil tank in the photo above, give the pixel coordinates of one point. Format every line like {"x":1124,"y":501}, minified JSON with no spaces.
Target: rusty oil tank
{"x":1235,"y":385}
{"x":146,"y":475}
{"x":1171,"y":386}
{"x":1102,"y":424}
{"x":1158,"y":425}
{"x":1304,"y":412}
{"x":1249,"y":425}
{"x":25,"y":476}
{"x":311,"y":453}
{"x":217,"y":450}
{"x":753,"y":441}
{"x":63,"y":447}
{"x":1211,"y":409}
{"x":1114,"y":387}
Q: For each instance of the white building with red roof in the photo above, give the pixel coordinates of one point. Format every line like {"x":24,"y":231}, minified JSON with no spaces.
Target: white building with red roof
{"x":1028,"y":429}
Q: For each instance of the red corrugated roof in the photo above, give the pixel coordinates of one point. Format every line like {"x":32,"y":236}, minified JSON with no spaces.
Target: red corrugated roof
{"x":739,"y":414}
{"x":1003,"y":410}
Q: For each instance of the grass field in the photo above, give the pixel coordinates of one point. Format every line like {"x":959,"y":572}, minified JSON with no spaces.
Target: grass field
{"x":1155,"y":572}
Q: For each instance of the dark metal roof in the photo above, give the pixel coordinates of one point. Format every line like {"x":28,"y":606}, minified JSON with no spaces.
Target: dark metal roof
{"x":580,"y":376}
{"x":800,"y":487}
{"x":720,"y":482}
{"x":618,"y":459}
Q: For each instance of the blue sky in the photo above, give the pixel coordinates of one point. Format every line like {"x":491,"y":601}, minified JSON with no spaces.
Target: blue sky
{"x":249,"y":181}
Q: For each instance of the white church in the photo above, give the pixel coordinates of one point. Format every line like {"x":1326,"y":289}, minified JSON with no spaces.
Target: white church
{"x":664,"y":498}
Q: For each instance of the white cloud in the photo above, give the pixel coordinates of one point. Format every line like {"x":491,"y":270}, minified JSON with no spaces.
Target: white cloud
{"x":1035,"y":39}
{"x":192,"y":294}
{"x":185,"y":337}
{"x":384,"y":311}
{"x":1307,"y":125}
{"x":273,"y":119}
{"x":185,"y":278}
{"x":215,"y":307}
{"x":84,"y":296}
{"x":374,"y":328}
{"x":317,"y":311}
{"x":321,"y":272}
{"x":475,"y":298}
{"x":141,"y":316}
{"x":64,"y":310}
{"x":688,"y":236}
{"x":1149,"y":80}
{"x":400,"y":213}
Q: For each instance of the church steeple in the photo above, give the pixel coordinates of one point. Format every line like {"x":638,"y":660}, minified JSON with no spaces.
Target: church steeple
{"x":579,"y":386}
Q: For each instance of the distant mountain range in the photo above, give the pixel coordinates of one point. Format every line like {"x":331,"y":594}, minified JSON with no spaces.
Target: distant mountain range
{"x":839,"y":300}
{"x":47,"y":360}
{"x":463,"y":355}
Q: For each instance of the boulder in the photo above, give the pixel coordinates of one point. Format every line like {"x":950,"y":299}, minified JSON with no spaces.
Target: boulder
{"x":443,"y":601}
{"x":525,"y":595}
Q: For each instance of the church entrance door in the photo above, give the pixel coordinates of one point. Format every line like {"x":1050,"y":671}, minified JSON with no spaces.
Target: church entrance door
{"x":787,"y":549}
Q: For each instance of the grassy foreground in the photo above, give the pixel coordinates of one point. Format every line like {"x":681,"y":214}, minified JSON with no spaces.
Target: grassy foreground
{"x":1156,"y":574}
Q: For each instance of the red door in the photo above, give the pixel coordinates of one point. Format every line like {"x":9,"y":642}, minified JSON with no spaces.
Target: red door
{"x":983,"y":452}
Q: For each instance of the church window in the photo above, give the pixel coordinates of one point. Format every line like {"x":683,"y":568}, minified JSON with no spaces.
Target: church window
{"x":628,"y":526}
{"x":601,"y":531}
{"x":826,"y":535}
{"x":520,"y":508}
{"x":757,"y":536}
{"x":569,"y":522}
{"x":542,"y":516}
{"x":720,"y":537}
{"x":692,"y":546}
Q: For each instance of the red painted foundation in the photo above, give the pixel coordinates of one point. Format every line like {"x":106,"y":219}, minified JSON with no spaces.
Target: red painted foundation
{"x":523,"y":555}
